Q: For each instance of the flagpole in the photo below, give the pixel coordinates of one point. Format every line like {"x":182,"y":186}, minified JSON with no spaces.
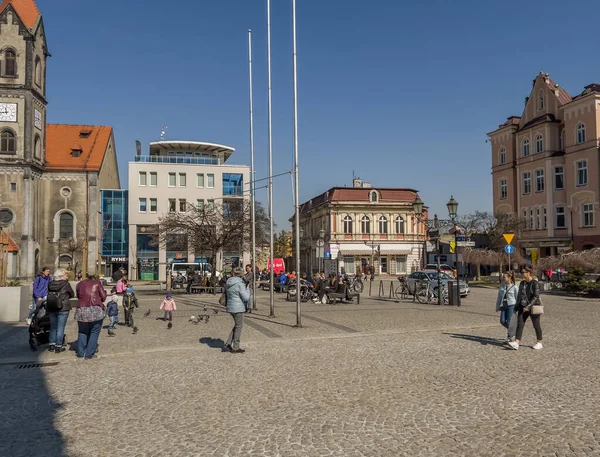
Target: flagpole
{"x":252,"y":172}
{"x":271,"y":222}
{"x":296,"y":173}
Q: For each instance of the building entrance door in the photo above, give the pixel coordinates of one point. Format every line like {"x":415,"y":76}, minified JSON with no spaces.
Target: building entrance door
{"x":384,"y":265}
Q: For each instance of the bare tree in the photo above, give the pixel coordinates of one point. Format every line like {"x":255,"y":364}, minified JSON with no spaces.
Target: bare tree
{"x":224,"y":226}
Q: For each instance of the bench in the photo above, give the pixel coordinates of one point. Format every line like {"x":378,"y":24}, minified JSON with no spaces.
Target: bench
{"x":339,"y":294}
{"x":280,"y":288}
{"x":197,"y":289}
{"x":350,"y":296}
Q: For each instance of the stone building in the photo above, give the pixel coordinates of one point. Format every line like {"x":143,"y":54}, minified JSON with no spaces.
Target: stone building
{"x":50,"y":175}
{"x":545,"y":169}
{"x":363,"y":223}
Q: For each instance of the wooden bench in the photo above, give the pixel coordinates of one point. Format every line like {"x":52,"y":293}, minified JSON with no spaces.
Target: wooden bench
{"x":196,"y":289}
{"x":339,"y":294}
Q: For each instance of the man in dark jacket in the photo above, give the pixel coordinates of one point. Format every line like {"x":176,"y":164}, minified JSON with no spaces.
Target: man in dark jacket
{"x":117,"y":275}
{"x":189,"y":276}
{"x":40,"y":291}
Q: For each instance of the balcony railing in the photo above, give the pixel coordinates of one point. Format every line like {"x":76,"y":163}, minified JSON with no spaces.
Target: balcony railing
{"x":233,"y":191}
{"x":178,"y":160}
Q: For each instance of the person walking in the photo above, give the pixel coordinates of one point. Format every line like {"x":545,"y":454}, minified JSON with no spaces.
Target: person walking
{"x":40,"y":291}
{"x":89,"y":316}
{"x":168,"y":306}
{"x":112,"y":311}
{"x":250,"y":283}
{"x":528,"y":296}
{"x":189,"y":276}
{"x":238,"y":298}
{"x":58,"y":305}
{"x":506,"y":301}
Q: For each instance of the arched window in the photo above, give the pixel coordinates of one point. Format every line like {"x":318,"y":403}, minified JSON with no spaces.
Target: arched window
{"x":525,"y":147}
{"x":383,"y":224}
{"x":540,"y":100}
{"x":374,"y":197}
{"x":37,"y":147}
{"x":400,"y":225}
{"x":502,"y":156}
{"x":365,"y":225}
{"x":539,"y":143}
{"x":38,"y":71}
{"x":8,"y":142}
{"x":348,"y":225}
{"x":10,"y":63}
{"x":66,"y":226}
{"x":580,"y":134}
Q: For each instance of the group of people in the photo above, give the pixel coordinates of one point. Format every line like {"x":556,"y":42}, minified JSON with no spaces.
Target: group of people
{"x":516,"y":306}
{"x":56,"y":292}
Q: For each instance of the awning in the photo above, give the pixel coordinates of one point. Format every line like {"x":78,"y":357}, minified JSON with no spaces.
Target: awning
{"x":395,"y":252}
{"x":361,"y":249}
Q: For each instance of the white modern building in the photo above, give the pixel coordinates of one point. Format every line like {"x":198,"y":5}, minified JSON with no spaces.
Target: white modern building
{"x":174,"y":175}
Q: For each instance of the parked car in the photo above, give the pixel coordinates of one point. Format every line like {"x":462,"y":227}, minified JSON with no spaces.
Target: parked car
{"x":443,"y":267}
{"x":432,"y":276}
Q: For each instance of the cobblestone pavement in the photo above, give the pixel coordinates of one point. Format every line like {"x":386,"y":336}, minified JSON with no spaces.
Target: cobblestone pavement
{"x":383,"y":378}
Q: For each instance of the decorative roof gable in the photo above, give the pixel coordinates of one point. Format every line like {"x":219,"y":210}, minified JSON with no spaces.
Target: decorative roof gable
{"x":532,"y":114}
{"x":27,"y":11}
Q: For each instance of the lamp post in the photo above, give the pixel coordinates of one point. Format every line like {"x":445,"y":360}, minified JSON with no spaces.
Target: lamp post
{"x":452,"y":212}
{"x":371,"y":244}
{"x":436,"y":224}
{"x":320,"y":246}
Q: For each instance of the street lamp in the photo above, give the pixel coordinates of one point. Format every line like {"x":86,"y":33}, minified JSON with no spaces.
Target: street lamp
{"x":436,"y":224}
{"x":452,"y":206}
{"x":372,"y":245}
{"x":320,"y":246}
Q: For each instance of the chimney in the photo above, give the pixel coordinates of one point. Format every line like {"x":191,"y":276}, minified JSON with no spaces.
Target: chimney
{"x":356,"y":182}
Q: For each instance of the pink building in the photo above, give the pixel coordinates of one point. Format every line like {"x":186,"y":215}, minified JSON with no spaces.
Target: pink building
{"x":545,"y":168}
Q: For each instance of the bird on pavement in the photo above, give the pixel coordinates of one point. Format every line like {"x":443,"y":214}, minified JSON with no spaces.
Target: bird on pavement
{"x":206,"y":318}
{"x":111,"y":333}
{"x":135,"y":330}
{"x":216,"y":311}
{"x":204,"y":308}
{"x":170,"y":324}
{"x":147,"y":313}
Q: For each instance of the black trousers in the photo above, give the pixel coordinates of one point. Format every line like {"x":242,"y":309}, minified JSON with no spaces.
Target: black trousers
{"x":535,"y":320}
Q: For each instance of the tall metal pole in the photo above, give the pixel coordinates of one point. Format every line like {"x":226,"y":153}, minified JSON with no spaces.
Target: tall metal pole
{"x":252,"y":172}
{"x":272,"y":225}
{"x":457,"y":266}
{"x":296,"y":167}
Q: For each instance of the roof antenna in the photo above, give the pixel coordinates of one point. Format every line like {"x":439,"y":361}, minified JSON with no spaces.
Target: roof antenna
{"x":163,"y":132}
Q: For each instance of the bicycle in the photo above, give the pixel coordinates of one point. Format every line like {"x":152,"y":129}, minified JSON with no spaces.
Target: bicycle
{"x":402,"y":291}
{"x":426,"y":293}
{"x":355,"y":284}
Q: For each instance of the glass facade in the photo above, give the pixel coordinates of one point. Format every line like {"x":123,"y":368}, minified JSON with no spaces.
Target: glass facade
{"x":115,"y":225}
{"x":233,"y":184}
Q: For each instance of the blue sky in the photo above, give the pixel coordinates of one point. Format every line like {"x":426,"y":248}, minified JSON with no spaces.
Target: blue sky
{"x":401,"y":93}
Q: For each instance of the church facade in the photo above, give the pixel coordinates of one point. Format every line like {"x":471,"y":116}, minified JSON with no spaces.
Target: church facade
{"x":50,"y":174}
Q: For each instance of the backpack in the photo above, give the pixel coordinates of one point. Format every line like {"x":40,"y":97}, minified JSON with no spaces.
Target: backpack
{"x":53,"y":302}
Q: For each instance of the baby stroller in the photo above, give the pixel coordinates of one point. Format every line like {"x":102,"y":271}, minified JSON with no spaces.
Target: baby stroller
{"x":39,"y":329}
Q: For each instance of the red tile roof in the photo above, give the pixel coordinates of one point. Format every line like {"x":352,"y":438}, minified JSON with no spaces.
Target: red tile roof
{"x":63,"y":139}
{"x":26,"y":9}
{"x":358,"y":195}
{"x":6,"y":239}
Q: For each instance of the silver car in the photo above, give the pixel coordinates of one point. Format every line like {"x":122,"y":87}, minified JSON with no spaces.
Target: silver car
{"x":432,"y":276}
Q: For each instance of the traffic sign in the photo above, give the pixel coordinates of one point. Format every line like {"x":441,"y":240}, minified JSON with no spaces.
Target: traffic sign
{"x":508,"y":237}
{"x":509,"y":249}
{"x":470,"y":244}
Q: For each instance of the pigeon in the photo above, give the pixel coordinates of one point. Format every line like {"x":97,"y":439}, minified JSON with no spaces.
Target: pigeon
{"x":135,"y":330}
{"x":111,"y":333}
{"x":147,"y":313}
{"x":170,"y":324}
{"x":216,"y":311}
{"x":192,"y":319}
{"x":206,"y":318}
{"x":204,"y":308}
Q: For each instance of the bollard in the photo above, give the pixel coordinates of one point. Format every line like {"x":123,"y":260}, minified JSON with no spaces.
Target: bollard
{"x":370,"y":285}
{"x":392,"y":293}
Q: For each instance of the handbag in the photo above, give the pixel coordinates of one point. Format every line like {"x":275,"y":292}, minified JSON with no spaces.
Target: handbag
{"x":223,"y":299}
{"x":538,"y":308}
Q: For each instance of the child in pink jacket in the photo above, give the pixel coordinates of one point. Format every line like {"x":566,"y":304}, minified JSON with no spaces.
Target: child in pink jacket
{"x":168,"y":306}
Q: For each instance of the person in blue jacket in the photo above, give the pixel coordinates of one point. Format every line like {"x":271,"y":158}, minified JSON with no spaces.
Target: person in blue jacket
{"x":506,"y":301}
{"x":40,"y":291}
{"x":238,"y":301}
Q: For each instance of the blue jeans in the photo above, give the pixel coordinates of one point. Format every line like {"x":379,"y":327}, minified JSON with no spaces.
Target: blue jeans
{"x":58,"y":321}
{"x":87,"y":341}
{"x":33,"y":306}
{"x":506,"y":313}
{"x":113,"y":321}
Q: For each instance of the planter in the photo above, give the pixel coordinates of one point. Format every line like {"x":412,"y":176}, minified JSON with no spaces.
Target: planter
{"x":15,"y":303}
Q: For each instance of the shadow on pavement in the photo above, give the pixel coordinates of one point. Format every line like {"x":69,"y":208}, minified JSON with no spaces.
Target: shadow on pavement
{"x":216,"y":343}
{"x":479,"y":339}
{"x":27,"y":409}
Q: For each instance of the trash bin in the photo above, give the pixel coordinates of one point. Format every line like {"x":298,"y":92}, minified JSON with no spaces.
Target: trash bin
{"x":453,"y":292}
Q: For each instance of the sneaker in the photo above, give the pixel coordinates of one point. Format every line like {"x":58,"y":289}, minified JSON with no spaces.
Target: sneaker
{"x":60,"y":349}
{"x":28,"y":320}
{"x":538,"y":346}
{"x":52,"y":348}
{"x":514,"y":345}
{"x":238,"y":351}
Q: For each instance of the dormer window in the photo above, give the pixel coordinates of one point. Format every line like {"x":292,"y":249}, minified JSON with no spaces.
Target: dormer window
{"x":374,"y":197}
{"x":85,"y":133}
{"x":76,"y":152}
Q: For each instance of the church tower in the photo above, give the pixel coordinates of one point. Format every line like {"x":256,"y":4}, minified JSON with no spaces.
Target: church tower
{"x":23,"y":54}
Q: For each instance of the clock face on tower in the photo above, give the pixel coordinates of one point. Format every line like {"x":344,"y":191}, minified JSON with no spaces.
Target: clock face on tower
{"x":38,"y":120}
{"x":8,"y":112}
